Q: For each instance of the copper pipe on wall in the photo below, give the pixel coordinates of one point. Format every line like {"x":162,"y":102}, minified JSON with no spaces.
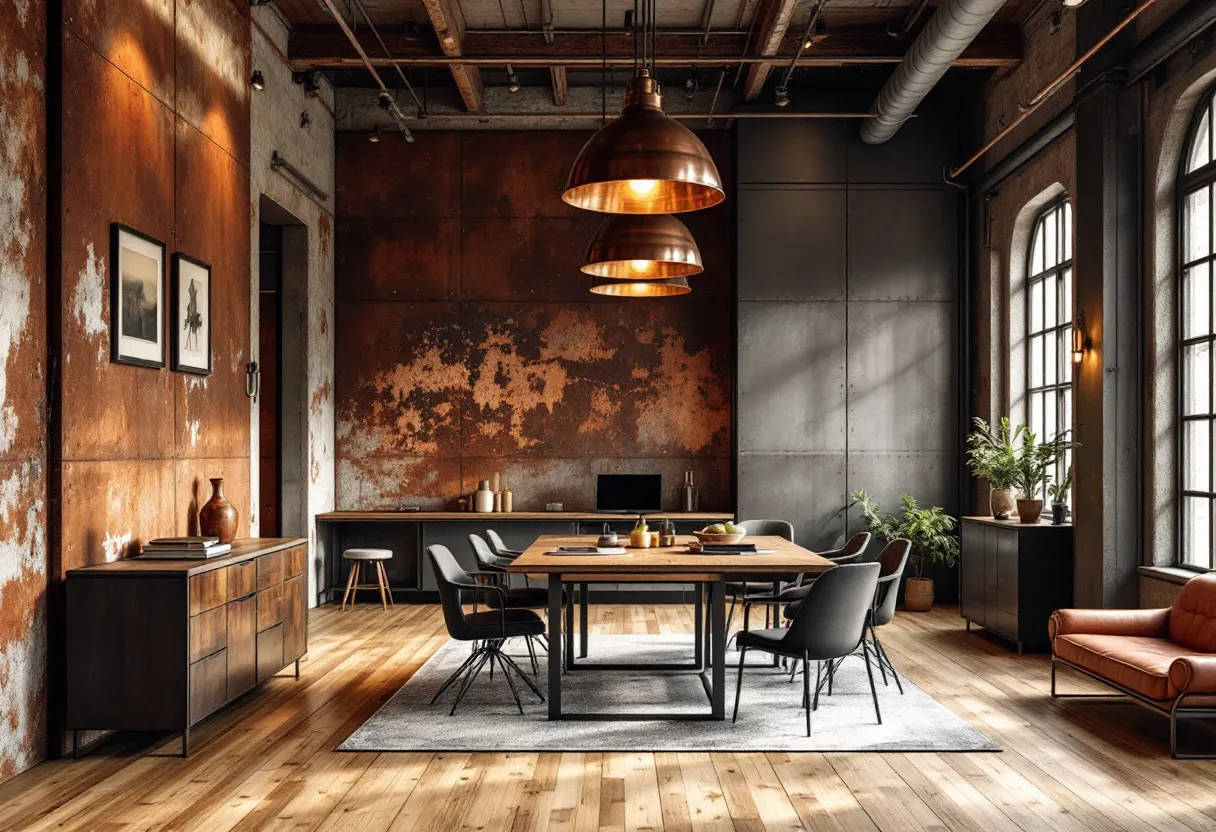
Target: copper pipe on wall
{"x":1075,"y":67}
{"x":595,"y":61}
{"x":1038,"y":99}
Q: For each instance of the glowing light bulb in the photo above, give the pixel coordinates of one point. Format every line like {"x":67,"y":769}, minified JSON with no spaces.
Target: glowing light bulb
{"x":643,"y":187}
{"x":640,"y":266}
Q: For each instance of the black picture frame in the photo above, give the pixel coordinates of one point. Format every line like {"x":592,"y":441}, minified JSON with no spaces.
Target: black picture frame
{"x":125,"y":349}
{"x":176,"y":339}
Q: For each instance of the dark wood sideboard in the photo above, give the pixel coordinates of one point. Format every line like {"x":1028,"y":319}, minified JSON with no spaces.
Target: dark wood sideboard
{"x":158,"y":645}
{"x":1013,"y":576}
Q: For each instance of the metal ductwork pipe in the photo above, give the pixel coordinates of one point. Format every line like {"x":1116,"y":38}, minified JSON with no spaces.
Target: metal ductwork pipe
{"x":950,"y":31}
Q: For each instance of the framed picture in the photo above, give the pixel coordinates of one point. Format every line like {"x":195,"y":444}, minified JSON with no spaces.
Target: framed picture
{"x":190,"y":313}
{"x":137,"y":298}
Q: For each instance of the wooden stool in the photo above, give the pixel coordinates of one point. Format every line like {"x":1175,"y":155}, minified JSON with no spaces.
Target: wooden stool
{"x":371,"y":557}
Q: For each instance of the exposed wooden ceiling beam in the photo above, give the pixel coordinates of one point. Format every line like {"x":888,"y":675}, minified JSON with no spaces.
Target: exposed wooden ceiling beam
{"x":771,"y":28}
{"x":449,"y":29}
{"x":997,"y":46}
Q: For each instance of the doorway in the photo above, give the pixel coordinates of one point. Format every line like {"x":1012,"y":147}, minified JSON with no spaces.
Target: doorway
{"x":270,"y":400}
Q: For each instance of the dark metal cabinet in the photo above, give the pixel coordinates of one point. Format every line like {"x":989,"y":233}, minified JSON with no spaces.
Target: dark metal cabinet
{"x":160,"y":645}
{"x":1014,"y":576}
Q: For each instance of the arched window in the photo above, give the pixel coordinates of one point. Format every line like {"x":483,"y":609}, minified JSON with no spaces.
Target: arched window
{"x":1049,"y":325}
{"x":1197,"y":341}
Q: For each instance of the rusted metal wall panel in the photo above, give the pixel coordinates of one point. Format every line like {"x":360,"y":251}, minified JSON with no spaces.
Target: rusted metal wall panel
{"x":391,"y":178}
{"x":23,"y":329}
{"x":212,"y":225}
{"x":527,"y":374}
{"x":117,"y":167}
{"x":212,"y":53}
{"x":155,"y":135}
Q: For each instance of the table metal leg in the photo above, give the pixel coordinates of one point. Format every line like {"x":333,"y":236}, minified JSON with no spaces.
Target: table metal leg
{"x":569,"y":651}
{"x":555,"y":647}
{"x":582,"y":620}
{"x":718,"y":618}
{"x":698,"y":626}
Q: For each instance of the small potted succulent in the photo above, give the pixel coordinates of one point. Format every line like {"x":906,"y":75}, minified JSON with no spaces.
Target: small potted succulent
{"x":930,"y":531}
{"x":1059,"y":498}
{"x":991,"y":456}
{"x":1035,"y":462}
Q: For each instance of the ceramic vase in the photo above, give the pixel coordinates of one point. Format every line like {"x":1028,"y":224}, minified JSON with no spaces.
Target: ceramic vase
{"x":483,"y":498}
{"x":1001,"y":503}
{"x":218,"y":518}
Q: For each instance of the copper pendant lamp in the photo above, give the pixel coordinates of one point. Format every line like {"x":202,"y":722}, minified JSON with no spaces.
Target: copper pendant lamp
{"x":632,"y":248}
{"x":667,"y":287}
{"x":643,"y":162}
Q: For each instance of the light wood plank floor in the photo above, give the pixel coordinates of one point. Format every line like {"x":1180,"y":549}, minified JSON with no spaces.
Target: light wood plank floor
{"x":267,"y":762}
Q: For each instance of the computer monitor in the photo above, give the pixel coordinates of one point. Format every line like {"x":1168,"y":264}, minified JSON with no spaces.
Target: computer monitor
{"x":631,"y":493}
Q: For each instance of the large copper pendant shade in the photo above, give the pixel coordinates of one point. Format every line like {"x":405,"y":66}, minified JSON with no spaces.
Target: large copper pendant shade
{"x":632,"y":247}
{"x":643,"y":162}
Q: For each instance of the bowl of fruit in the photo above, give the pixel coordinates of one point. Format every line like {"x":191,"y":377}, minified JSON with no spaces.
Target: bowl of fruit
{"x":720,"y":533}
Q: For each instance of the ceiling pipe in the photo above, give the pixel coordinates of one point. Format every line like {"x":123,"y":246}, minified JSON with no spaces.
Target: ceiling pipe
{"x":949,"y":31}
{"x":555,"y":116}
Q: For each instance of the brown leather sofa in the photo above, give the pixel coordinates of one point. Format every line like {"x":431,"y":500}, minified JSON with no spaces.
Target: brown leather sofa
{"x":1163,"y":659}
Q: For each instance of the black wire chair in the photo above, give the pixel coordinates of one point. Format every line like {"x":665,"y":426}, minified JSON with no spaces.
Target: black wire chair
{"x":487,"y":631}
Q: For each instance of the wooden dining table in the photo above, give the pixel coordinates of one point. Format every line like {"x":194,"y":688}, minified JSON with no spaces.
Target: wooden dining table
{"x":672,"y":564}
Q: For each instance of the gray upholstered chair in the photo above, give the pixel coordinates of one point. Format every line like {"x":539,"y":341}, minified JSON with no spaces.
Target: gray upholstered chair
{"x":498,"y":547}
{"x":830,"y":625}
{"x":892,"y":561}
{"x":487,"y":630}
{"x":759,"y":583}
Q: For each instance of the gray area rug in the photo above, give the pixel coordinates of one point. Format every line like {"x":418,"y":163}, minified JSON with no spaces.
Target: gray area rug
{"x":770,"y":716}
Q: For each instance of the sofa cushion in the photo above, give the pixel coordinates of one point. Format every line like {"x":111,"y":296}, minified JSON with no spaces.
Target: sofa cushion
{"x":1193,"y":616}
{"x":1137,"y":663}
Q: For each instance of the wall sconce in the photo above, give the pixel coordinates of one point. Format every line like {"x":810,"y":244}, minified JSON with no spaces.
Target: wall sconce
{"x":253,"y":380}
{"x":257,"y":81}
{"x":1081,"y":341}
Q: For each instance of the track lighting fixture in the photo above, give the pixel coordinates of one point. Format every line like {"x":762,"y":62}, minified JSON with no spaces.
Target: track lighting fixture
{"x":309,"y":79}
{"x":782,"y":96}
{"x":512,"y":80}
{"x":386,"y":101}
{"x":692,"y":84}
{"x":375,"y":136}
{"x":257,"y":81}
{"x":1072,"y":4}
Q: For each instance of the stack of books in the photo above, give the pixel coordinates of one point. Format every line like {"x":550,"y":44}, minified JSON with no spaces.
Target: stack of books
{"x":185,"y":548}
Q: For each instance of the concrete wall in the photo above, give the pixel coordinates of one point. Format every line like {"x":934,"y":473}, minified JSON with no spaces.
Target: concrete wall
{"x":468,"y":343}
{"x":23,"y":321}
{"x":307,"y":326}
{"x":848,"y":291}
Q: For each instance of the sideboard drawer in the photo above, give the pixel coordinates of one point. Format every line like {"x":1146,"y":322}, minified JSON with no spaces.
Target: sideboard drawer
{"x":270,"y":607}
{"x":208,"y":633}
{"x":270,"y":570}
{"x":297,"y":559}
{"x":208,"y":590}
{"x":242,"y":579}
{"x":208,"y":685}
{"x":270,"y":652}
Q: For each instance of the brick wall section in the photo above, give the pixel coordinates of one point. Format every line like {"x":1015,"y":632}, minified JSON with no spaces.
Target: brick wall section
{"x":468,"y":343}
{"x":23,"y":320}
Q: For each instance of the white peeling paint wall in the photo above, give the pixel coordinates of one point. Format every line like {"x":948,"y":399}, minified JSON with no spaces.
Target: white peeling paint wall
{"x":275,"y":123}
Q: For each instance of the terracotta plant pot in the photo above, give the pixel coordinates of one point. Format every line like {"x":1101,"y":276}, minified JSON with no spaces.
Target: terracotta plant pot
{"x":1001,"y":503}
{"x":218,"y":518}
{"x":1029,"y":510}
{"x":918,"y":594}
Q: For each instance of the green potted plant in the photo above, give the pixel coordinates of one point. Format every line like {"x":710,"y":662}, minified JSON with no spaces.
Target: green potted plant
{"x":930,"y":530}
{"x":991,"y":455}
{"x":1059,"y":498}
{"x":1035,"y":462}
